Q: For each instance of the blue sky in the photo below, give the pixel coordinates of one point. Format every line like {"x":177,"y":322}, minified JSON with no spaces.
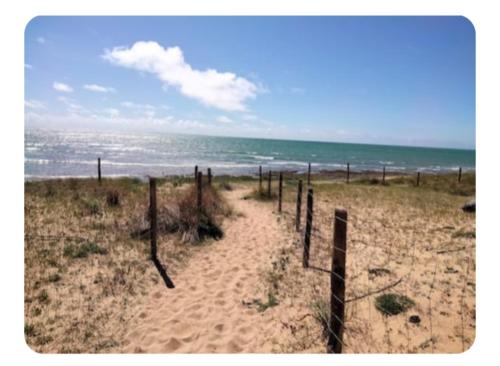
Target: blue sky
{"x":381,"y":80}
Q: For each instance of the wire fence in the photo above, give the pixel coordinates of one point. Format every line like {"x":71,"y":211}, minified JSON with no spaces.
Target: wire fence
{"x":315,"y":227}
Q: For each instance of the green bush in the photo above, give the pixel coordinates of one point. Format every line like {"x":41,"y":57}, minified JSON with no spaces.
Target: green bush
{"x":393,"y":304}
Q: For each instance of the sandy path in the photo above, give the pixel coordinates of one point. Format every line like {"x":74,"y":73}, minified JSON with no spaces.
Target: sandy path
{"x":205,"y":313}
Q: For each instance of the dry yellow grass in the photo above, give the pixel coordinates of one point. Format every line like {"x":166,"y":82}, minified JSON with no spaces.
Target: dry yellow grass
{"x":419,"y":235}
{"x":84,"y":270}
{"x":87,"y":281}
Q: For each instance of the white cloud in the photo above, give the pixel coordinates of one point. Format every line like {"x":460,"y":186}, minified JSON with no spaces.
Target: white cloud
{"x":62,"y":87}
{"x":223,"y":90}
{"x":40,"y":40}
{"x":99,"y":88}
{"x":137,"y":106}
{"x":28,"y":66}
{"x":34,"y":104}
{"x":224,"y":119}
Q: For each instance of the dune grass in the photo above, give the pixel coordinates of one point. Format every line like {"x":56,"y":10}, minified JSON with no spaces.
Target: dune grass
{"x":84,"y":271}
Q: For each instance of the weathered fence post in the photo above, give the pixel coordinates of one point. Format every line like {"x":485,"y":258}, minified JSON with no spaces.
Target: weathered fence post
{"x":337,"y":283}
{"x":309,"y":174}
{"x":209,"y":176}
{"x":299,"y":206}
{"x":99,"y":170}
{"x":307,"y":235}
{"x":195,"y":173}
{"x":152,"y":215}
{"x":199,"y":183}
{"x":459,"y":174}
{"x":260,"y":179}
{"x":347,"y":174}
{"x":269,"y":185}
{"x":383,"y":175}
{"x":280,"y":191}
{"x":418,"y":179}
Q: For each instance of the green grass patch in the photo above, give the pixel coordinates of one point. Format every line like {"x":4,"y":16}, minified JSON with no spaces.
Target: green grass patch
{"x":272,"y":301}
{"x":29,"y":330}
{"x":321,"y":313}
{"x":393,"y":304}
{"x":83,"y":250}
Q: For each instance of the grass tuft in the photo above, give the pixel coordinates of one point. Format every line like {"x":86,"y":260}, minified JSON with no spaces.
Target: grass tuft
{"x":393,"y":304}
{"x":83,"y":250}
{"x":321,"y":313}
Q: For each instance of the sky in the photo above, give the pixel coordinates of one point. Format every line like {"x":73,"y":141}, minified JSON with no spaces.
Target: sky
{"x":378,"y":80}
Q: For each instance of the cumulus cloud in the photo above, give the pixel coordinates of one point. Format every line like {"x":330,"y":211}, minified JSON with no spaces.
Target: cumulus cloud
{"x":34,"y":104}
{"x":28,"y":66}
{"x":62,"y":87}
{"x":223,"y":90}
{"x":40,"y":40}
{"x":99,"y":88}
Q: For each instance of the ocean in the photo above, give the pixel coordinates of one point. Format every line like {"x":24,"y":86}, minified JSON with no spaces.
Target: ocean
{"x":50,"y":153}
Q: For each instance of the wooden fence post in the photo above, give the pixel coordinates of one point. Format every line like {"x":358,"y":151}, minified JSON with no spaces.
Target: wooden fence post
{"x":99,"y":170}
{"x":260,"y":179}
{"x":209,"y":176}
{"x":337,"y":283}
{"x":195,"y":173}
{"x":418,"y":179}
{"x":383,"y":175}
{"x":199,"y":183}
{"x":280,"y":191}
{"x":348,"y":173}
{"x":459,"y":174}
{"x":152,"y":215}
{"x":307,"y":235}
{"x":269,"y":185}
{"x":309,"y":174}
{"x":299,"y":206}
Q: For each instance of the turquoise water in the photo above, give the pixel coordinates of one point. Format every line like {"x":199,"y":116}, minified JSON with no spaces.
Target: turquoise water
{"x":51,"y":153}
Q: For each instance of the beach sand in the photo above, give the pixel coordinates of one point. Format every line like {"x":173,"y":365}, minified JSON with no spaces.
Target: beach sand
{"x":248,"y":292}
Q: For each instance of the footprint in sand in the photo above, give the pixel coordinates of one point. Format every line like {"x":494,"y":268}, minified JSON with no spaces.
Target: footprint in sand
{"x":219,"y":327}
{"x":233,"y":347}
{"x":172,"y":345}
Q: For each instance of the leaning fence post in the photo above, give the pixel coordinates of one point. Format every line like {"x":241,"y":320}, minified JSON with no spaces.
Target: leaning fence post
{"x":299,"y":206}
{"x":269,"y":185}
{"x":309,"y":174}
{"x":347,"y":175}
{"x":280,"y":191}
{"x":152,"y":215}
{"x":459,"y":174}
{"x":99,"y":170}
{"x":209,"y":176}
{"x":195,"y":173}
{"x":199,"y":191}
{"x":383,"y":175}
{"x":307,"y":235}
{"x":260,"y":179}
{"x":418,"y":179}
{"x":337,"y":283}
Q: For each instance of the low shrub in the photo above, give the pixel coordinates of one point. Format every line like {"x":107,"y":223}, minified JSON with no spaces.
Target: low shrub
{"x":393,"y":304}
